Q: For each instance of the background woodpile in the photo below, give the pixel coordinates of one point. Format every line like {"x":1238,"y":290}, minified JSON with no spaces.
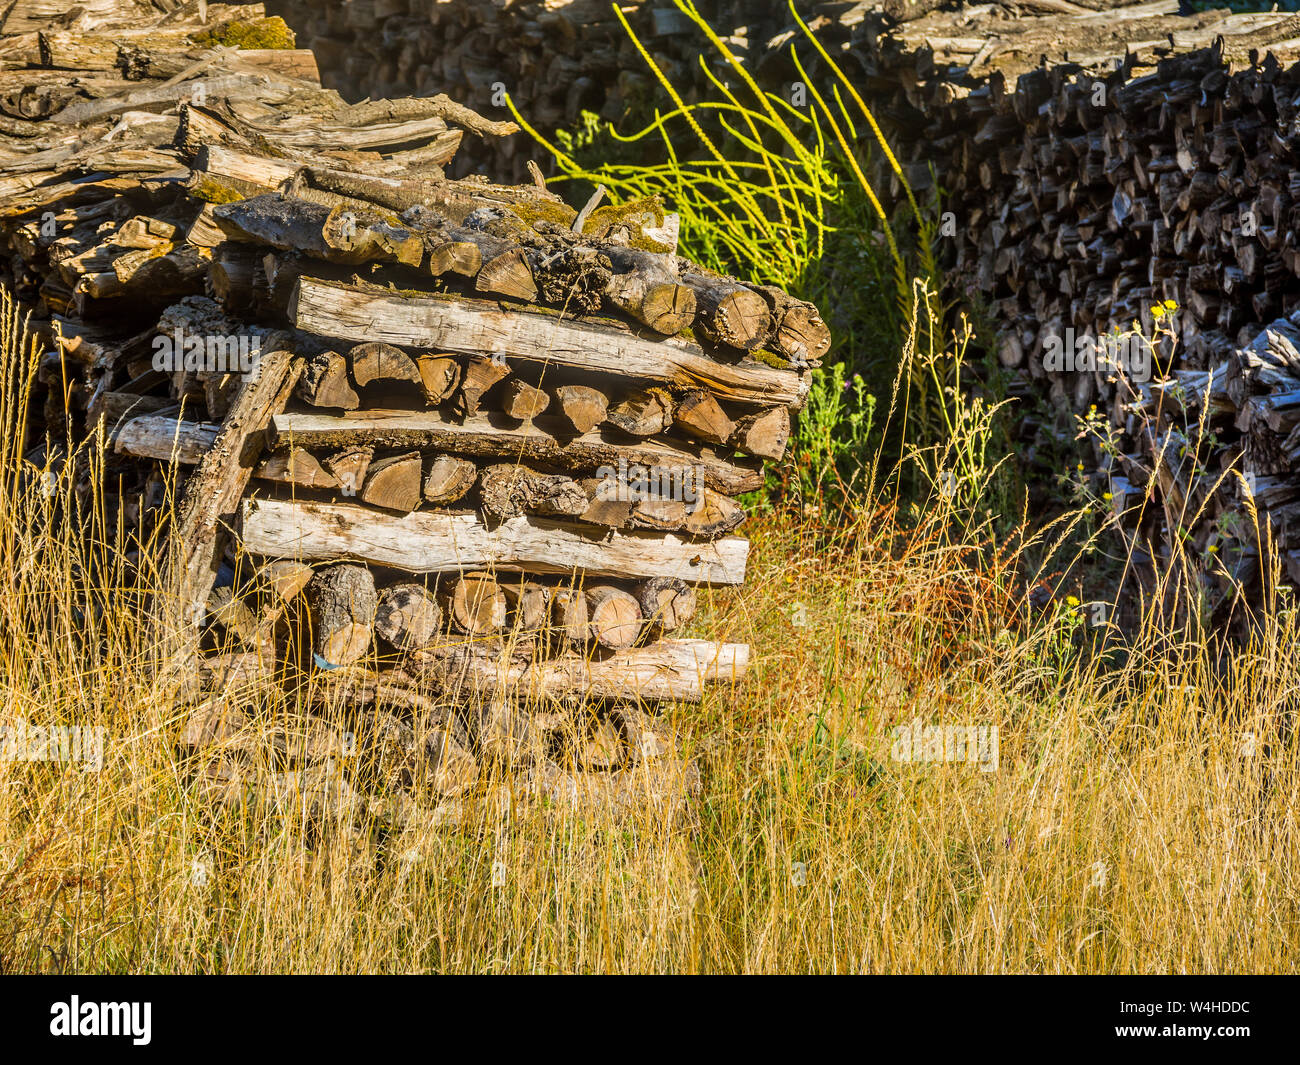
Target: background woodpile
{"x":1095,"y":166}
{"x":460,"y":461}
{"x":556,"y":58}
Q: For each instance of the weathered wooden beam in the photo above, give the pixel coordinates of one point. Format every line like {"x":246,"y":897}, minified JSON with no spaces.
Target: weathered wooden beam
{"x":467,"y":326}
{"x":212,"y":492}
{"x":669,"y":669}
{"x":157,"y":436}
{"x":432,"y":542}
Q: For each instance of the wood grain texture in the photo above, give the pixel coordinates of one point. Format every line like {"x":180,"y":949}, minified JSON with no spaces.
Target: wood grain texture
{"x":495,"y":435}
{"x":670,"y":669}
{"x":157,"y":436}
{"x":470,"y":326}
{"x":441,"y":543}
{"x":212,"y":493}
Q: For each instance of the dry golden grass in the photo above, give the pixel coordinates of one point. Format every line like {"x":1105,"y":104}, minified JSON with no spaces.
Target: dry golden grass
{"x":1125,"y":829}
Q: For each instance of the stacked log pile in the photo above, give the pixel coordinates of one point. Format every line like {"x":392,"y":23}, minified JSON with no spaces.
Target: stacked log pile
{"x":1098,"y":161}
{"x":1100,"y":170}
{"x":559,"y":58}
{"x":457,"y":459}
{"x":556,"y":58}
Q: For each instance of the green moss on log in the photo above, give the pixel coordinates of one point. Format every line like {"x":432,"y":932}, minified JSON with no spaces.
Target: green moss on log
{"x":541,"y":211}
{"x":252,"y":33}
{"x":208,"y":189}
{"x":635,"y":217}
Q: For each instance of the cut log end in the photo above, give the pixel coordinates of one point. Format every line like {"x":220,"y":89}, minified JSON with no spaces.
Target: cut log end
{"x":667,"y":603}
{"x":408,"y":617}
{"x":325,"y":383}
{"x":476,"y":605}
{"x":382,"y":365}
{"x":613,"y":617}
{"x":342,"y":603}
{"x":394,"y":483}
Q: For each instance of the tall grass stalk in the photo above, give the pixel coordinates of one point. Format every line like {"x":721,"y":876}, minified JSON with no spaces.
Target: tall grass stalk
{"x":771,"y":195}
{"x":1140,"y":817}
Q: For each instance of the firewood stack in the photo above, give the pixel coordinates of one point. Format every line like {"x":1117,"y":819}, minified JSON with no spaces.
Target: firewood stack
{"x":522,"y":426}
{"x":555,"y":58}
{"x":1099,"y":169}
{"x":1097,"y":159}
{"x":458,"y":459}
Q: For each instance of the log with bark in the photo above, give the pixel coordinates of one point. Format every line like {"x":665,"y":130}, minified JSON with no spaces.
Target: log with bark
{"x":403,"y":411}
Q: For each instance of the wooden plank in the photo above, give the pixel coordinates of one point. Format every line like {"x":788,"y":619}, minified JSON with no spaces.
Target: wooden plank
{"x":166,"y":439}
{"x":466,"y":326}
{"x":668,"y":669}
{"x":263,"y":171}
{"x":494,"y":435}
{"x":434,"y":542}
{"x":212,"y":492}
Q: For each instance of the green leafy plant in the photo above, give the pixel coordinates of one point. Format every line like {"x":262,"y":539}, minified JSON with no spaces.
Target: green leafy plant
{"x":775,"y":193}
{"x":834,"y":431}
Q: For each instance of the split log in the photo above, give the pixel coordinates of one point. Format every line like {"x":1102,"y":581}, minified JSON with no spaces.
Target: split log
{"x":283,"y":580}
{"x":529,"y":603}
{"x":408,"y":617}
{"x":233,"y":276}
{"x":509,"y":275}
{"x":522,"y":401}
{"x":700,"y":416}
{"x":349,"y":467}
{"x":342,"y":602}
{"x":229,"y":613}
{"x":230,"y":671}
{"x":705,"y":514}
{"x":613,"y":617}
{"x":476,"y":605}
{"x":325,"y":383}
{"x":480,"y":374}
{"x":498,"y":266}
{"x":645,"y":412}
{"x":600,"y":746}
{"x":764,"y":435}
{"x":394,"y":483}
{"x":439,"y":376}
{"x":570,"y":616}
{"x":214,"y":721}
{"x":451,"y":256}
{"x":449,"y":479}
{"x":667,"y":603}
{"x":507,"y":491}
{"x":296,"y":466}
{"x":641,"y":735}
{"x":585,"y":407}
{"x":383,"y":364}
